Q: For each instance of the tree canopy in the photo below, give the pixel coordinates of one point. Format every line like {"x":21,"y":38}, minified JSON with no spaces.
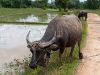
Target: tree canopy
{"x":60,"y":4}
{"x":15,"y":3}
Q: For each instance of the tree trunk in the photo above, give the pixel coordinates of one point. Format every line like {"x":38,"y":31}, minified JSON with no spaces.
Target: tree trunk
{"x":65,"y":9}
{"x":59,"y":8}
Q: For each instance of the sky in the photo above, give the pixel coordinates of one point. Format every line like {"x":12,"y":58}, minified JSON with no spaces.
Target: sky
{"x":50,"y":0}
{"x":80,"y":1}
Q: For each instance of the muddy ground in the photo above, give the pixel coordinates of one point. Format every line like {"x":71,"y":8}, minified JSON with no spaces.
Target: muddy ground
{"x":90,"y":64}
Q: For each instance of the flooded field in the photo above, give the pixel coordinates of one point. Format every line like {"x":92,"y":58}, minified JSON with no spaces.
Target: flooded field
{"x":41,"y":19}
{"x":13,"y":40}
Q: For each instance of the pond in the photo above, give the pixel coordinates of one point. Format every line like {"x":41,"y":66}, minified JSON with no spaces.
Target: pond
{"x":42,"y":19}
{"x":13,"y":40}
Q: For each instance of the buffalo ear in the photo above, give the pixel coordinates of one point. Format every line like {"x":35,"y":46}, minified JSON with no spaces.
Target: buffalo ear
{"x":53,"y":46}
{"x":29,"y":45}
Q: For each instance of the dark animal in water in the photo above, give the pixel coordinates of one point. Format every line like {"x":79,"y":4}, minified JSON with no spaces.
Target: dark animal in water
{"x":61,"y":32}
{"x":82,"y":13}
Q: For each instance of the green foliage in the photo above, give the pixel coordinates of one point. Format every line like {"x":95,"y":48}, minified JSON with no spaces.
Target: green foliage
{"x":89,"y":4}
{"x":40,"y":4}
{"x":52,"y":5}
{"x":61,"y":4}
{"x":15,"y":3}
{"x":93,"y":4}
{"x":74,"y":4}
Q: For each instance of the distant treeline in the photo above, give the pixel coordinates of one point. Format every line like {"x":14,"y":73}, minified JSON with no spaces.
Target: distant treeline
{"x":61,"y":4}
{"x":15,"y":3}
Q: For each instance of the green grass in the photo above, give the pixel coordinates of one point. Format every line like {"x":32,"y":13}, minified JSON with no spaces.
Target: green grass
{"x":94,"y":11}
{"x":10,"y":15}
{"x":68,"y":67}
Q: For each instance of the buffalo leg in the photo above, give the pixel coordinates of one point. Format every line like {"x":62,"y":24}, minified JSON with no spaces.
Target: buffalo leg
{"x":60,"y":56}
{"x":85,"y":18}
{"x":80,"y":54}
{"x":46,"y":63}
{"x":71,"y":52}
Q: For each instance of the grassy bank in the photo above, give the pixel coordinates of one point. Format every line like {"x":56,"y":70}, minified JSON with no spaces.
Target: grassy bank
{"x":8,"y":15}
{"x":94,"y":11}
{"x":11,"y":15}
{"x":68,"y":64}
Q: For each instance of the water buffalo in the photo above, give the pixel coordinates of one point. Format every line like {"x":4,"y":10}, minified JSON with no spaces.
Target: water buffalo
{"x":61,"y":32}
{"x":82,"y":13}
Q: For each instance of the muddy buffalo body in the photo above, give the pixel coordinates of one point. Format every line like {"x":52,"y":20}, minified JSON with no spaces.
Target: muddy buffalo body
{"x":61,"y":32}
{"x":82,"y":13}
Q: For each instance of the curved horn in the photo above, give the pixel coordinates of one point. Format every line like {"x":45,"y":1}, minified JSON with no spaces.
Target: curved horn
{"x":45,"y":44}
{"x":27,"y":38}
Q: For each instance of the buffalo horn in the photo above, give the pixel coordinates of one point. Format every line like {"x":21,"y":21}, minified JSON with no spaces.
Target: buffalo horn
{"x":45,"y":44}
{"x":27,"y":38}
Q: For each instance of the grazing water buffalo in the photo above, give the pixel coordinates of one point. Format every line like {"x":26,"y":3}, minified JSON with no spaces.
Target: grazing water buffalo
{"x":61,"y":32}
{"x":82,"y":13}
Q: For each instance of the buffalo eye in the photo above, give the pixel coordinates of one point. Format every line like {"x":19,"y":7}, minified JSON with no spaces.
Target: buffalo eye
{"x":31,"y":50}
{"x":37,"y":52}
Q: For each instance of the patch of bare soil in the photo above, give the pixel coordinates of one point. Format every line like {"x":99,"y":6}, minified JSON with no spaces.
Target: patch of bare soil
{"x":90,"y":64}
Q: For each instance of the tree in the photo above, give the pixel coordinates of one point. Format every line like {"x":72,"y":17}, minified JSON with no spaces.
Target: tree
{"x":58,"y":4}
{"x":93,"y":4}
{"x":71,"y":4}
{"x":74,"y":4}
{"x":6,"y":3}
{"x":61,"y":4}
{"x":15,"y":3}
{"x":85,"y":6}
{"x":52,"y":5}
{"x":77,"y":4}
{"x":43,"y":3}
{"x":40,"y":4}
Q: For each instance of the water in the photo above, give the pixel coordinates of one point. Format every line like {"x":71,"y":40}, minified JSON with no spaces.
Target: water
{"x":43,"y":19}
{"x":13,"y":41}
{"x":15,"y":35}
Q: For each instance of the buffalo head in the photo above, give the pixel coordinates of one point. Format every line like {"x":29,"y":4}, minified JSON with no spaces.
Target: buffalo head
{"x":38,"y":50}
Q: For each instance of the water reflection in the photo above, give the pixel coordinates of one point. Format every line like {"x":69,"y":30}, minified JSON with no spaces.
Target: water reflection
{"x":30,"y":18}
{"x":43,"y":19}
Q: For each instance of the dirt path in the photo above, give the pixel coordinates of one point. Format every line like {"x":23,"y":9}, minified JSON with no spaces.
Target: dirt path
{"x":90,"y":65}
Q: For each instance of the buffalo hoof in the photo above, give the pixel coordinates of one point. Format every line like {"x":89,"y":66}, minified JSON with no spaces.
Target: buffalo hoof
{"x":80,"y":56}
